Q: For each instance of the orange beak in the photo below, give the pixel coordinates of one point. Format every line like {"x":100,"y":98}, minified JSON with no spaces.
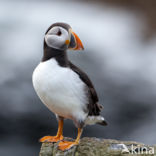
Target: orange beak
{"x":79,"y":45}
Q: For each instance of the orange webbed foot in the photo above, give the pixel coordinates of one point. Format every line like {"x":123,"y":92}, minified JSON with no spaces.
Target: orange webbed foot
{"x":51,"y":138}
{"x":65,"y":145}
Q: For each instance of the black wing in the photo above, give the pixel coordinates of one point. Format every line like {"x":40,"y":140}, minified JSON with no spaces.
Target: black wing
{"x":93,"y":106}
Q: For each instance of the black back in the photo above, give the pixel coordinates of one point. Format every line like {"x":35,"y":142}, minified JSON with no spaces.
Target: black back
{"x":93,"y":106}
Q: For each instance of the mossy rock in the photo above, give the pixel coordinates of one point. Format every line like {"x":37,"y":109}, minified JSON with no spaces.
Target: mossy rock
{"x":100,"y":147}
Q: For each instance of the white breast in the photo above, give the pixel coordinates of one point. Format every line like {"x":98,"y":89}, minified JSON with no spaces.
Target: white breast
{"x":60,"y":89}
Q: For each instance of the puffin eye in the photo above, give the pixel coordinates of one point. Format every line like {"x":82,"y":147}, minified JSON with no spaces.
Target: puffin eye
{"x":59,"y":33}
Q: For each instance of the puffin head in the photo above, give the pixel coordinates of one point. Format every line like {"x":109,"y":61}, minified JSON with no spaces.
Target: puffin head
{"x":60,"y":36}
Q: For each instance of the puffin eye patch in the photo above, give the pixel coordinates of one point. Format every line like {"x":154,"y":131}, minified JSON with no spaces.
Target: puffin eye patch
{"x":55,"y":31}
{"x":59,"y":33}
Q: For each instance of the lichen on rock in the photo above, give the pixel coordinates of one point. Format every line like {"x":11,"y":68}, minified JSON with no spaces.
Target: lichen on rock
{"x":99,"y":147}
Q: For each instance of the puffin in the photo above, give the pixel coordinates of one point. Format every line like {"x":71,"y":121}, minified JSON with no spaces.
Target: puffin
{"x":65,"y":89}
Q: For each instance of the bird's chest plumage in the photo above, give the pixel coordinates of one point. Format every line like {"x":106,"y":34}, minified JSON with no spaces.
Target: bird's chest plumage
{"x":59,"y":88}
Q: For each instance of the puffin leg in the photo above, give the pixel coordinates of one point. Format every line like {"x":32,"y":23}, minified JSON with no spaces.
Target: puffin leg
{"x":58,"y":137}
{"x":65,"y":145}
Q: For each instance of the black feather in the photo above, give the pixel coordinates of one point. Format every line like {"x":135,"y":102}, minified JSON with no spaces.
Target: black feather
{"x":103,"y":123}
{"x":93,"y":106}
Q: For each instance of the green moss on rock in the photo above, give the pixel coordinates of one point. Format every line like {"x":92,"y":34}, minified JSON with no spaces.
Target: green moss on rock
{"x":100,"y":147}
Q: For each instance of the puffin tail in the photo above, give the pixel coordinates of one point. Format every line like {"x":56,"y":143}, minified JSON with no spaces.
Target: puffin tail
{"x":96,"y":120}
{"x":103,"y":123}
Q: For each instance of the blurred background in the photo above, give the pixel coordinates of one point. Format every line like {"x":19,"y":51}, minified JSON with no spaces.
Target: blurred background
{"x":120,"y":58}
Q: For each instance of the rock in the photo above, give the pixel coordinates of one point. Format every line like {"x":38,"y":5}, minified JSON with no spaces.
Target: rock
{"x":99,"y":147}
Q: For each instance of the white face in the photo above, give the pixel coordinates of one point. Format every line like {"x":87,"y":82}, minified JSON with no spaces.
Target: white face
{"x":56,"y":38}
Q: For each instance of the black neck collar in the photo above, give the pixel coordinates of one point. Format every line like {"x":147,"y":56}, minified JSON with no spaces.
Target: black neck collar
{"x":59,"y":55}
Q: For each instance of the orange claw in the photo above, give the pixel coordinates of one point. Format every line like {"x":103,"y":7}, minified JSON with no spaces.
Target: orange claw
{"x":65,"y":145}
{"x":56,"y":138}
{"x":51,"y":138}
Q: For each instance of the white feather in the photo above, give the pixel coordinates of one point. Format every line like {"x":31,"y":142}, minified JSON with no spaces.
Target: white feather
{"x":91,"y":120}
{"x":60,"y":89}
{"x":56,"y":41}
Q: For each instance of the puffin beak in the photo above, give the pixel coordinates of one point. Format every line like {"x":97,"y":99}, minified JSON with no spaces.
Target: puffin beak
{"x":79,"y":45}
{"x":75,"y":42}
